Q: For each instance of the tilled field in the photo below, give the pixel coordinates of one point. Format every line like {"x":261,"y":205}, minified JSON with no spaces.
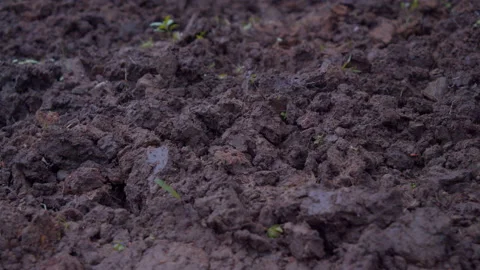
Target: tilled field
{"x":353,"y":125}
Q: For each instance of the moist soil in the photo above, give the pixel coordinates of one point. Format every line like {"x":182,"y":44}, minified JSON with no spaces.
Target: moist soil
{"x":353,"y":125}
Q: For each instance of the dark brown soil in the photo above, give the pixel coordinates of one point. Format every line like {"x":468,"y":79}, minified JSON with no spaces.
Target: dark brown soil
{"x":354,"y":125}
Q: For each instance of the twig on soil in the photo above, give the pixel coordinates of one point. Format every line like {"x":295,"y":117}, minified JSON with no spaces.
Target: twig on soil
{"x":129,"y":57}
{"x":190,"y":23}
{"x":451,"y":107}
{"x":16,"y":81}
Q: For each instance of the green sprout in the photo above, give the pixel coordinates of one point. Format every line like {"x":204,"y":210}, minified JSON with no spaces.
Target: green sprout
{"x":346,"y":65}
{"x":201,"y":35}
{"x":413,"y":185}
{"x":176,"y":36}
{"x":414,"y":5}
{"x":167,"y":188}
{"x":410,"y":5}
{"x":26,"y":61}
{"x":447,"y":4}
{"x":322,"y":47}
{"x":63,"y":222}
{"x":147,"y":44}
{"x":222,"y":76}
{"x":239,"y":69}
{"x":252,"y":79}
{"x":283,"y":115}
{"x":319,"y":139}
{"x":248,"y":25}
{"x":211,"y":66}
{"x":476,"y":24}
{"x":274,"y":231}
{"x":168,"y":25}
{"x":118,"y":247}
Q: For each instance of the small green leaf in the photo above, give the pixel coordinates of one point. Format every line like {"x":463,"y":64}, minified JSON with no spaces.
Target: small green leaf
{"x":222,"y":76}
{"x":319,"y":139}
{"x":477,"y":24}
{"x":167,"y":188}
{"x":275,"y":231}
{"x":247,"y":26}
{"x":414,"y":5}
{"x":201,"y":35}
{"x":147,"y":44}
{"x":167,"y":25}
{"x":118,"y":247}
{"x":26,"y":61}
{"x":349,"y":59}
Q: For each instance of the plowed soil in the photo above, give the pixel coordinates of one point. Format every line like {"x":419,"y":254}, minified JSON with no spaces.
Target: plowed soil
{"x":353,"y":125}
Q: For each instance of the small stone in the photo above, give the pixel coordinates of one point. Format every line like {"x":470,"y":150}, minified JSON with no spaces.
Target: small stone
{"x":398,"y":160}
{"x":340,"y":10}
{"x":232,"y":159}
{"x":331,"y":138}
{"x":416,"y":129}
{"x":436,"y":90}
{"x":340,"y":131}
{"x":305,"y":243}
{"x":84,"y":180}
{"x":62,"y":261}
{"x":383,"y":32}
{"x":61,"y":175}
{"x":427,"y":5}
{"x":257,"y":242}
{"x":308,"y":120}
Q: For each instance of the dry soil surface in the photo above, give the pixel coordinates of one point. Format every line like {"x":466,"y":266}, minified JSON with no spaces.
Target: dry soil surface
{"x":354,"y":125}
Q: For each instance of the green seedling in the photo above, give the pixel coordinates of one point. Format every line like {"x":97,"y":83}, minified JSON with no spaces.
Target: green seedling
{"x":239,"y":70}
{"x":413,"y":185}
{"x":147,"y":44}
{"x":118,"y":247}
{"x":410,"y":5}
{"x":248,"y":25}
{"x":167,"y":25}
{"x":24,"y":62}
{"x":253,"y":78}
{"x":201,"y":35}
{"x":414,"y":5}
{"x":167,"y":188}
{"x":447,"y":4}
{"x":346,"y":65}
{"x":283,"y":115}
{"x":176,"y":36}
{"x":211,"y":66}
{"x":319,"y":139}
{"x":274,"y":231}
{"x":322,"y":47}
{"x":476,"y":24}
{"x":222,"y":76}
{"x":63,"y":222}
{"x":353,"y":148}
